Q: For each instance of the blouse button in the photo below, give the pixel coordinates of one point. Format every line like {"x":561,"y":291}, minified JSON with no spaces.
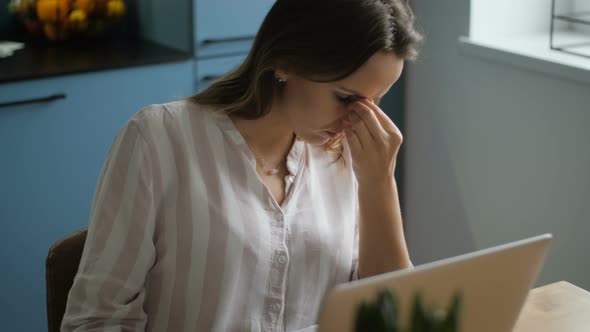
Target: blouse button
{"x":278,"y":216}
{"x":276,"y":307}
{"x":282,"y":259}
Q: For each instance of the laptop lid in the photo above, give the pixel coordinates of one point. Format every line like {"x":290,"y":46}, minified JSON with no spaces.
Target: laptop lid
{"x":493,"y":283}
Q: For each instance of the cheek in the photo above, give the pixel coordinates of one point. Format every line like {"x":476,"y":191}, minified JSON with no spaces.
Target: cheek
{"x":306,"y":108}
{"x":322,"y":111}
{"x":312,"y":109}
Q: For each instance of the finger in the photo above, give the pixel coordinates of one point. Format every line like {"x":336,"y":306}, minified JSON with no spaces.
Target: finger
{"x":360,"y":127}
{"x":383,"y":119}
{"x":353,"y":141}
{"x":368,"y":117}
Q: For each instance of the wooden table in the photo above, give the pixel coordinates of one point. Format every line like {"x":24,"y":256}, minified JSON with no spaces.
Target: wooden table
{"x":557,"y":307}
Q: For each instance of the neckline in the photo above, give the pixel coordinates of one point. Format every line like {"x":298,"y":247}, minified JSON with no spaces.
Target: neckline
{"x":294,"y":158}
{"x":226,"y":124}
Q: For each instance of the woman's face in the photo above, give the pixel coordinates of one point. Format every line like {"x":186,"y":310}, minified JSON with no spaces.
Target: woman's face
{"x":315,"y":111}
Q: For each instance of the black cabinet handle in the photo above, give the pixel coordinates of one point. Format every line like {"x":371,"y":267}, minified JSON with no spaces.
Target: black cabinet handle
{"x":225,"y":40}
{"x":34,"y":100}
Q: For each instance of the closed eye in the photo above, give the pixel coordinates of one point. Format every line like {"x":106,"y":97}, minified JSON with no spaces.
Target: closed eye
{"x":345,"y":99}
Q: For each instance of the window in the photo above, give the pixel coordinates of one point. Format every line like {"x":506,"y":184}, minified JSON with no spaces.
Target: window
{"x":518,"y":33}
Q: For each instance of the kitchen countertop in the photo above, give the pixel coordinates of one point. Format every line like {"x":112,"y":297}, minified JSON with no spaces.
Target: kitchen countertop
{"x":37,"y":61}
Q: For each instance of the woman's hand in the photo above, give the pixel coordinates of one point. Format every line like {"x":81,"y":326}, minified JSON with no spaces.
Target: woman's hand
{"x":374,"y":142}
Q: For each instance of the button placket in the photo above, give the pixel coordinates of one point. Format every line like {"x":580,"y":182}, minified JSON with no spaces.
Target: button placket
{"x":278,"y":273}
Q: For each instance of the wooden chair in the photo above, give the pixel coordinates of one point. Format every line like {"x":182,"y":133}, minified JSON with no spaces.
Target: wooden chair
{"x":61,"y":267}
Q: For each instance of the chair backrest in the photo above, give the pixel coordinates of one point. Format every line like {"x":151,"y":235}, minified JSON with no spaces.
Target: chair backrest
{"x":61,"y":267}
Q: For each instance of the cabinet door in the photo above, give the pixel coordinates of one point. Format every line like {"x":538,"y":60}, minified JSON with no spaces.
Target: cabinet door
{"x":51,"y":155}
{"x":227,"y":26}
{"x":209,"y":70}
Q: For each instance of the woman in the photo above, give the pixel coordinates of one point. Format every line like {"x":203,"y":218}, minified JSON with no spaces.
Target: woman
{"x":239,"y":208}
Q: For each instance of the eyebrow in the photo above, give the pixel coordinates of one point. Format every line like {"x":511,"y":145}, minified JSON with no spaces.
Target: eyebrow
{"x":357,"y":94}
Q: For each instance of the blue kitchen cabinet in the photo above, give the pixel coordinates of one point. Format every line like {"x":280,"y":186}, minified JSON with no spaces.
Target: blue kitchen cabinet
{"x":223,"y":27}
{"x":218,"y":33}
{"x":209,"y":70}
{"x":51,"y":154}
{"x":223,"y":34}
{"x":207,"y":28}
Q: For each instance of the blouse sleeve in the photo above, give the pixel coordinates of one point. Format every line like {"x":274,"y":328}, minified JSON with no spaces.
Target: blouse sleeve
{"x":108,"y":291}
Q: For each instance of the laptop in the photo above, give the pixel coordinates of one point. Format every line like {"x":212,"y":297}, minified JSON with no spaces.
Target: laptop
{"x":493,"y":283}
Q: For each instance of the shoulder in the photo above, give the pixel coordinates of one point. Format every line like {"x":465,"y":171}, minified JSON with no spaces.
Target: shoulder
{"x":171,"y":120}
{"x":169,"y":113}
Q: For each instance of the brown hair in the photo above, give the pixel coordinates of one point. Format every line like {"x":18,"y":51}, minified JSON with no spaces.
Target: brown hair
{"x":321,"y":40}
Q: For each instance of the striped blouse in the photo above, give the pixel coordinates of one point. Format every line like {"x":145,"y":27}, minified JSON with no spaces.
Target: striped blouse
{"x":184,"y":235}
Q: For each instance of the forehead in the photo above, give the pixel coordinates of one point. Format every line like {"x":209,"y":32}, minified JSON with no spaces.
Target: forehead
{"x":375,"y":76}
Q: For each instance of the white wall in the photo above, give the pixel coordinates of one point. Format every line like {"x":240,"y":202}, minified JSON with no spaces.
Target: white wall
{"x":498,"y":19}
{"x":582,"y":6}
{"x":493,"y":153}
{"x":505,"y":17}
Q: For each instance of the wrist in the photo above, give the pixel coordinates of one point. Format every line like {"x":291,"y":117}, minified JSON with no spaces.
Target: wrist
{"x":377,"y":190}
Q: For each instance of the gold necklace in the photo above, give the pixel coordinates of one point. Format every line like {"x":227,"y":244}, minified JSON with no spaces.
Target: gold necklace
{"x":269,"y":170}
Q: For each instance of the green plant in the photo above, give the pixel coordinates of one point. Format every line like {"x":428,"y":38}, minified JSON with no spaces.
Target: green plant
{"x":382,"y":315}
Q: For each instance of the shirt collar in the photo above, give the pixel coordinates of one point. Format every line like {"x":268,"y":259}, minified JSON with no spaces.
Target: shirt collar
{"x":227,"y":126}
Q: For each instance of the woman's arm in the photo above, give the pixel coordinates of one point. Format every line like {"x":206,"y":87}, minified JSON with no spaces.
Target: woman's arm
{"x":382,"y":245}
{"x":374,"y":142}
{"x":108,"y":290}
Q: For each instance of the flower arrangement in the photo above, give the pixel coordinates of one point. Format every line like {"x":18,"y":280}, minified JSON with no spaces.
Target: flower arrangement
{"x":59,"y":20}
{"x":382,"y":315}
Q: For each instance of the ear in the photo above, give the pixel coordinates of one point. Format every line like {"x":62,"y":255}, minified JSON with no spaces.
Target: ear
{"x":282,"y":74}
{"x":281,"y":70}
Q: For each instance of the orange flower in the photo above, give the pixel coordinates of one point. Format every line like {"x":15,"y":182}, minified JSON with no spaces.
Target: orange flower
{"x":50,"y":11}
